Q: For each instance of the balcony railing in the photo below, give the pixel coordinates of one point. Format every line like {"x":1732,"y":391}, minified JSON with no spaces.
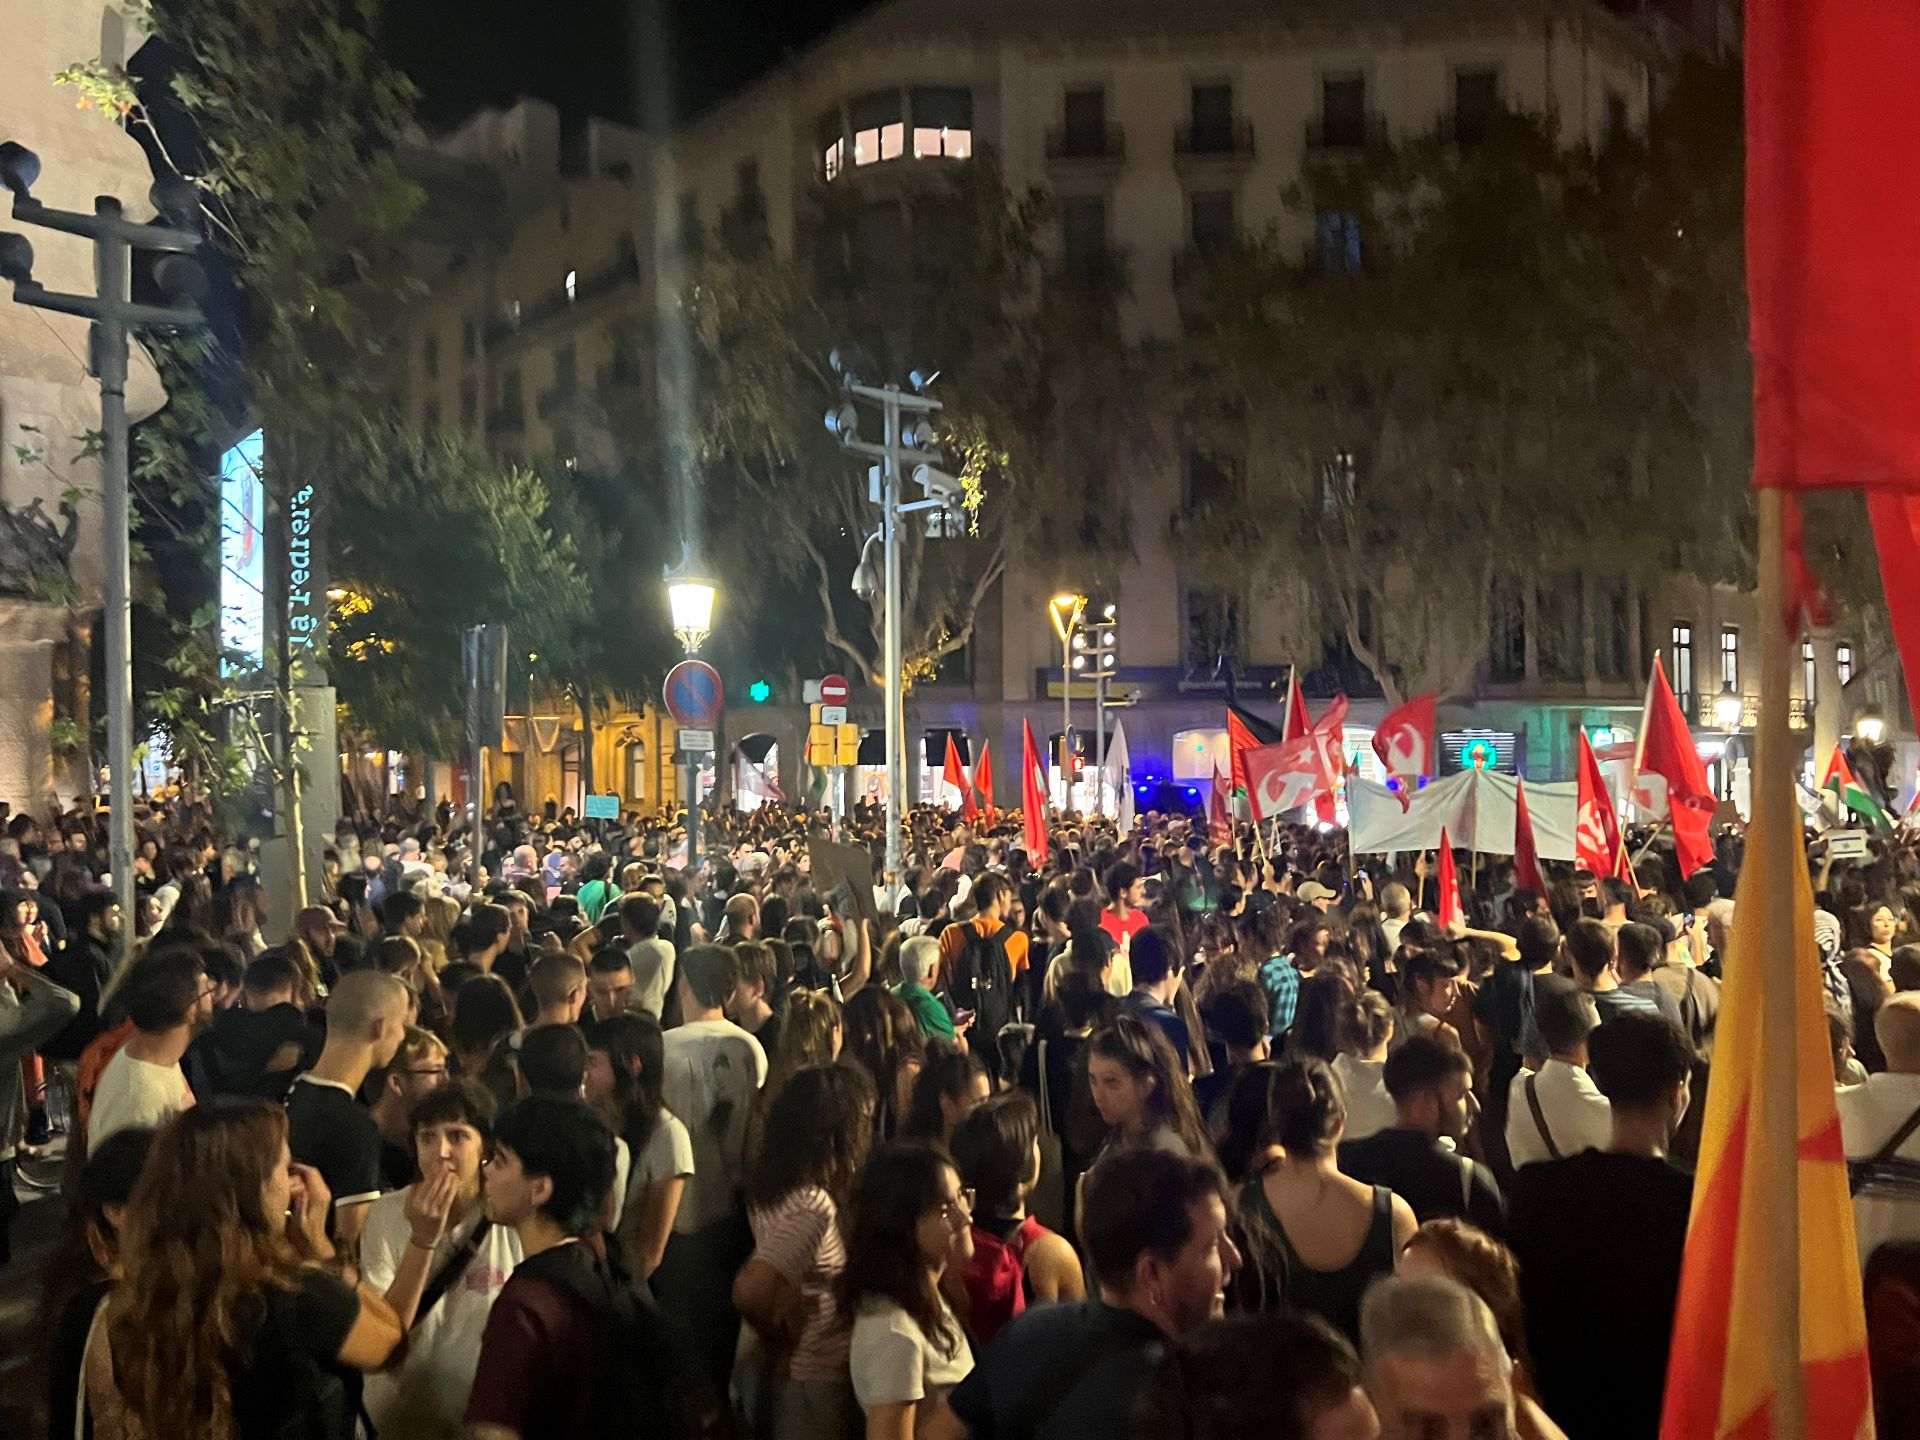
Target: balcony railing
{"x":1706,"y":711}
{"x":1216,"y":140}
{"x":1346,"y":132}
{"x":1069,"y":143}
{"x":624,"y":271}
{"x":1469,"y":127}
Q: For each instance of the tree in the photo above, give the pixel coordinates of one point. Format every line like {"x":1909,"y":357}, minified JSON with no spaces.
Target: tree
{"x":1449,"y":405}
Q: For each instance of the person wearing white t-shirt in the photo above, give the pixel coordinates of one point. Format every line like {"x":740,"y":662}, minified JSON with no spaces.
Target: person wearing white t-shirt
{"x":626,"y":1061}
{"x":652,"y":958}
{"x":1553,"y":1107}
{"x":1873,"y":1114}
{"x":714,"y":1069}
{"x":434,"y":1237}
{"x":169,"y":998}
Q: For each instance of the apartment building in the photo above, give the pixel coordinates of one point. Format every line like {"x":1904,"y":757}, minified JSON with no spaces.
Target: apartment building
{"x":1161,"y":134}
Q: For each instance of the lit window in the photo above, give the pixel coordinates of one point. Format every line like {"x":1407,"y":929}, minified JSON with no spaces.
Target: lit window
{"x":956,"y":144}
{"x":1843,"y":661}
{"x":866,"y":146}
{"x":1729,"y":658}
{"x":573,"y":284}
{"x":893,"y":140}
{"x":833,"y":158}
{"x":925,"y":142}
{"x":1809,"y":673}
{"x":513,"y":313}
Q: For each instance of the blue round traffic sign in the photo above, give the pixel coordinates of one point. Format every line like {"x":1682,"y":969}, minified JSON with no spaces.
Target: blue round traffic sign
{"x":694,"y":694}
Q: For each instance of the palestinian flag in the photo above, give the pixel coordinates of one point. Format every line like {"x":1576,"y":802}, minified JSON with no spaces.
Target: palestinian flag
{"x":1850,"y":795}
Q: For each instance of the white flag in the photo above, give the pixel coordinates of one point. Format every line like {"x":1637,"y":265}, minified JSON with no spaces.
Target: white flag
{"x":1118,"y":777}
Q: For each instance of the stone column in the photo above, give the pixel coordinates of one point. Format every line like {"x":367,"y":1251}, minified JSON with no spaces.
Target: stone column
{"x":29,"y":631}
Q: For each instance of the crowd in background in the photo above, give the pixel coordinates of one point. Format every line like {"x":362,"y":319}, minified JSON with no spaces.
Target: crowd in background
{"x":1178,"y":1132}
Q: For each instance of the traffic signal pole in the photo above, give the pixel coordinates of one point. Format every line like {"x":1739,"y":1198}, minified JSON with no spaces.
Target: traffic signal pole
{"x":896,"y":705}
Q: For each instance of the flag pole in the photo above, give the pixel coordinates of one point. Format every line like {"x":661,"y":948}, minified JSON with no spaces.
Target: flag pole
{"x":1776,"y":754}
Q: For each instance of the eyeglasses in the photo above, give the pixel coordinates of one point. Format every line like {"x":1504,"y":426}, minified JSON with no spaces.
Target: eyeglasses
{"x":957,"y":1211}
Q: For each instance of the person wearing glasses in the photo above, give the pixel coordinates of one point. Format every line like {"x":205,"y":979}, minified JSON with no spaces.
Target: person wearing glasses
{"x":419,"y":1068}
{"x":911,"y":1220}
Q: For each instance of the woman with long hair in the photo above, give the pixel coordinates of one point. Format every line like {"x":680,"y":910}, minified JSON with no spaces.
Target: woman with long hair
{"x":626,"y":1067}
{"x":228,"y":1321}
{"x":884,"y":1039}
{"x":1089,"y":951}
{"x":997,"y":1148}
{"x":1141,"y":1090}
{"x":951,"y":1084}
{"x":484,"y":1014}
{"x":911,"y":1219}
{"x":1312,"y":1238}
{"x":1319,"y":1014}
{"x":820,"y":1127}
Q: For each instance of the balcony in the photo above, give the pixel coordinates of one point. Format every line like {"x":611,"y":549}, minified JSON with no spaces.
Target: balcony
{"x":1334,"y":133}
{"x":623,"y":272}
{"x":1222,"y":145}
{"x":1082,"y":149}
{"x":1799,"y":712}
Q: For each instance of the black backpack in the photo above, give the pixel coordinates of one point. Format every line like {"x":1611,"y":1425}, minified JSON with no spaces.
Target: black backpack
{"x":983,"y":983}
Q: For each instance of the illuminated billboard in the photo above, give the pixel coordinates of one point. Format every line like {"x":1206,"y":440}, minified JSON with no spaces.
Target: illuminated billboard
{"x":243,"y":552}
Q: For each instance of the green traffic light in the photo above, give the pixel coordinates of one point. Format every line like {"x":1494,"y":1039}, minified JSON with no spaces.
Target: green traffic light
{"x":760,"y":692}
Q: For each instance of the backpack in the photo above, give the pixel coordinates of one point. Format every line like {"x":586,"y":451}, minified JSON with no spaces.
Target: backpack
{"x":996,"y":1279}
{"x":983,"y":983}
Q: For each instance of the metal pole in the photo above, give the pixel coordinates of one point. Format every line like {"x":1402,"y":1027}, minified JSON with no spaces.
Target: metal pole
{"x":475,"y":780}
{"x":110,"y":364}
{"x":1100,"y":734}
{"x":896,"y":710}
{"x":693,"y":811}
{"x":1066,"y":718}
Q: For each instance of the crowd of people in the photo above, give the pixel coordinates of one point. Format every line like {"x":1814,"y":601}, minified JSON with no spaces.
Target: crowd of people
{"x":1175,"y":1133}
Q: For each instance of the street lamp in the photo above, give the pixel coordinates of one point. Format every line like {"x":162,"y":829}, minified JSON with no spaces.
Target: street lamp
{"x":1066,"y":610}
{"x":1870,"y":726}
{"x":690,"y":601}
{"x":1729,"y":709}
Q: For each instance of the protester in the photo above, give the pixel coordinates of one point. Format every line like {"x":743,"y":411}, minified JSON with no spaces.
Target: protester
{"x":625,"y":1076}
{"x":1435,"y":1366}
{"x":418,"y":1067}
{"x":440,"y":1262}
{"x":1313,"y":1238}
{"x":168,"y":999}
{"x":1156,"y":980}
{"x":920,"y":962}
{"x":1306,"y":1386}
{"x":651,"y":957}
{"x":1553,"y":1108}
{"x":1419,"y":1157}
{"x":1366,"y":1039}
{"x":1590,"y":949}
{"x":1141,"y":1090}
{"x":884,"y":1039}
{"x":258,"y":1046}
{"x":1880,"y":1121}
{"x":752,"y":1005}
{"x":945,"y":1091}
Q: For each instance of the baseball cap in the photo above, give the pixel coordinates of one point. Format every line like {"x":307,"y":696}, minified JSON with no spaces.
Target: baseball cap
{"x":318,"y":915}
{"x":1313,"y":890}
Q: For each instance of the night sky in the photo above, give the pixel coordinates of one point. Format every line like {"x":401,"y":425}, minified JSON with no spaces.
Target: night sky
{"x":645,"y":61}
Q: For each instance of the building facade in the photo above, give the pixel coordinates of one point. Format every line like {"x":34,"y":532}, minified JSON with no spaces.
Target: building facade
{"x":1158,"y":136}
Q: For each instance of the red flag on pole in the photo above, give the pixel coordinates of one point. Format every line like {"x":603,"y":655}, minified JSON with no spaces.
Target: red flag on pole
{"x":1447,"y":880}
{"x":955,"y":774}
{"x":1219,"y":819}
{"x":1666,"y":750}
{"x":1331,"y":728}
{"x":1526,"y":855}
{"x":1033,"y":796}
{"x":983,"y":778}
{"x":1407,"y":741}
{"x":1284,"y":777}
{"x":1296,"y":722}
{"x":1596,"y":837}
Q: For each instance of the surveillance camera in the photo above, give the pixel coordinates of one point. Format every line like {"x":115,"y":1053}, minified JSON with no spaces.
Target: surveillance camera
{"x":19,"y":168}
{"x":922,"y":380}
{"x":937,"y":483}
{"x":16,"y":258}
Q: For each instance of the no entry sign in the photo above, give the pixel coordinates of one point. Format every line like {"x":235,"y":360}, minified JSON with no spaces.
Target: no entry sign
{"x":834,"y":690}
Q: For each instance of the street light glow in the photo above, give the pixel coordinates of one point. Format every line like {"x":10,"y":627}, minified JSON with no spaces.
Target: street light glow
{"x":1870,"y":727}
{"x":1728,"y":708}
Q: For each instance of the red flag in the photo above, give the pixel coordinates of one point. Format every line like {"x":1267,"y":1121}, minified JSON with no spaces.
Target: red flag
{"x":1033,"y":797}
{"x":1296,"y":723}
{"x":1284,"y":777}
{"x":955,"y":774}
{"x":1245,"y":731}
{"x":1447,"y":879}
{"x":983,"y":778}
{"x":1331,"y":728}
{"x":1896,"y":536}
{"x":1596,"y":836}
{"x":1219,"y":820}
{"x":1526,"y":855}
{"x":1666,"y":750}
{"x":1407,"y":741}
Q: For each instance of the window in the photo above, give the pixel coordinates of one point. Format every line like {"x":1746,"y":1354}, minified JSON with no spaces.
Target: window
{"x":1809,"y":673}
{"x":1730,"y":658}
{"x":1343,"y":109}
{"x":1337,"y":485}
{"x":469,"y":401}
{"x":746,"y":178}
{"x":1211,"y":479}
{"x":1507,"y":638}
{"x":510,"y":404}
{"x":1212,"y":117}
{"x":831,"y":139}
{"x":565,"y":369}
{"x":1213,"y":630}
{"x":1083,"y":228}
{"x":879,"y":129}
{"x":1843,"y":661}
{"x":1086,"y":121}
{"x":469,"y":337}
{"x":511,"y":312}
{"x":572,"y":286}
{"x":430,"y":357}
{"x":689,"y":223}
{"x":1611,"y":627}
{"x":1210,"y":220}
{"x":1476,"y":101}
{"x":1680,"y":657}
{"x":942,"y":122}
{"x":1617,"y":123}
{"x":1337,"y":242}
{"x":1558,"y":639}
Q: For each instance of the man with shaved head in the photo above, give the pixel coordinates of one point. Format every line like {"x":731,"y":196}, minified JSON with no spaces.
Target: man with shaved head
{"x":1435,"y":1367}
{"x":1880,"y":1120}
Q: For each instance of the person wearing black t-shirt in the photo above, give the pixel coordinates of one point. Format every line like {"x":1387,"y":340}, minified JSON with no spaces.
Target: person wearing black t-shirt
{"x":1600,"y":1235}
{"x":1429,"y":1080}
{"x":327,"y":1126}
{"x":258,"y":1046}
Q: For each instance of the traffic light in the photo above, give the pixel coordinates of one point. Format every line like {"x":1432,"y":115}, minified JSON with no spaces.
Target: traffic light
{"x":760,"y":692}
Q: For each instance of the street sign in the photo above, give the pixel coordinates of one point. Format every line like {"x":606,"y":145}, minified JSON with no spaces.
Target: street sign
{"x":694,"y":695}
{"x":1117,"y":694}
{"x":849,"y":744}
{"x":833,"y":714}
{"x":834,"y":690}
{"x":810,"y":692}
{"x":699,"y":741}
{"x":601,"y":807}
{"x":1846,"y":844}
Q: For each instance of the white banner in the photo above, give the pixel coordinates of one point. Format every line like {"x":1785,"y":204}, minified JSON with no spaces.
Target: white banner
{"x":1476,"y":807}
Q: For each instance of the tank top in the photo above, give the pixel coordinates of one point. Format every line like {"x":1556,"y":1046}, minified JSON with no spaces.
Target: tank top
{"x":1275,"y":1276}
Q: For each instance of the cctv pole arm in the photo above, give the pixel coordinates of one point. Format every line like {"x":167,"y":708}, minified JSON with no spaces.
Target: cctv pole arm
{"x":91,"y":307}
{"x":101,"y":227}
